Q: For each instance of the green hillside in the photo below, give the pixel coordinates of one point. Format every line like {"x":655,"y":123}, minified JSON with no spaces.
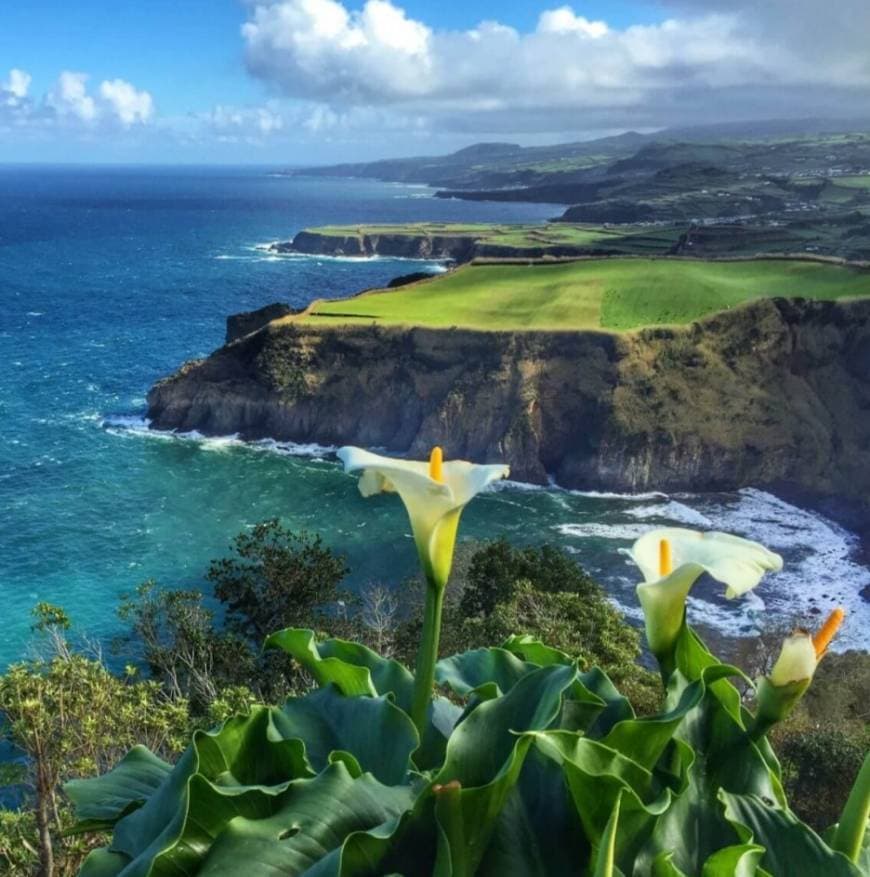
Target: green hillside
{"x":612,"y":294}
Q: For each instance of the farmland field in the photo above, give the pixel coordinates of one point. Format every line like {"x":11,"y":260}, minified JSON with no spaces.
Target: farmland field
{"x":609,"y":294}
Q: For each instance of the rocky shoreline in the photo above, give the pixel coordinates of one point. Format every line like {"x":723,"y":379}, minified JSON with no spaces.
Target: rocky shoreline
{"x":763,"y":395}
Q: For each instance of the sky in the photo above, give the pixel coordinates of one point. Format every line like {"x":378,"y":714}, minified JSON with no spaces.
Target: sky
{"x":313,"y":81}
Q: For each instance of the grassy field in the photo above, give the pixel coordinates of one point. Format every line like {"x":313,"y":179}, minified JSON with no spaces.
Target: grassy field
{"x":611,"y":294}
{"x":636,"y":238}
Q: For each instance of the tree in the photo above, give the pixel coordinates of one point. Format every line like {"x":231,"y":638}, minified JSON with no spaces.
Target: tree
{"x":184,"y":650}
{"x":276,"y":579}
{"x":71,"y":718}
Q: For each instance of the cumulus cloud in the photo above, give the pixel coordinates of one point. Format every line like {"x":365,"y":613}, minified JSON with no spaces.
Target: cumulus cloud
{"x":69,"y":103}
{"x":129,"y":105}
{"x":709,"y":61}
{"x":69,"y":97}
{"x":14,"y":90}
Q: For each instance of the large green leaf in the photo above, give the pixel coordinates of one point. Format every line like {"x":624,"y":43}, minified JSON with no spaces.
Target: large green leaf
{"x":287,"y":833}
{"x":598,"y":777}
{"x":354,"y":668}
{"x":100,"y":802}
{"x":373,"y":729}
{"x":790,"y":847}
{"x":486,"y":673}
{"x":246,"y":752}
{"x":537,"y":833}
{"x":484,"y":757}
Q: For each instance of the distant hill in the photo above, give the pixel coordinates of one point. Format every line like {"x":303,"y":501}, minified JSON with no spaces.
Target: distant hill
{"x":484,"y":166}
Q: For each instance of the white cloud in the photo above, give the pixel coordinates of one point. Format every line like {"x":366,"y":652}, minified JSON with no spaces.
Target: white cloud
{"x":69,"y":97}
{"x":563,"y":20}
{"x":16,"y":86}
{"x":244,"y":124}
{"x":129,"y":105}
{"x":708,"y":62}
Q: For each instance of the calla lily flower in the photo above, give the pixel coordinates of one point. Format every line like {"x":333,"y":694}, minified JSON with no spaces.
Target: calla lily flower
{"x":783,"y":687}
{"x":434,"y":494}
{"x":672,"y":559}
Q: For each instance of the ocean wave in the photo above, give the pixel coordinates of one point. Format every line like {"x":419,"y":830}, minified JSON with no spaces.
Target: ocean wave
{"x":127,"y":425}
{"x":329,"y":258}
{"x":628,"y":497}
{"x":673,"y":512}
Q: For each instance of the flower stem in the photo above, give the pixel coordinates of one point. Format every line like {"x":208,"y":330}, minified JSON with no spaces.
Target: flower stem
{"x":849,"y":837}
{"x":427,"y":656}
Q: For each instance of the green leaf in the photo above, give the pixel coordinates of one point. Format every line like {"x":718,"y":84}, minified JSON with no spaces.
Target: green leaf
{"x":537,"y":833}
{"x":257,"y":832}
{"x":533,"y":650}
{"x":605,"y":860}
{"x":790,"y":846}
{"x":742,"y":860}
{"x":373,"y":729}
{"x":486,"y":673}
{"x":354,"y":668}
{"x":103,"y":863}
{"x":485,"y":756}
{"x":246,"y":752}
{"x":100,"y":802}
{"x":597,"y":777}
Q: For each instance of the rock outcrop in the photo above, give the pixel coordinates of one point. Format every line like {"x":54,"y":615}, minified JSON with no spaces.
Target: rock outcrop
{"x":458,"y":248}
{"x":775,"y":393}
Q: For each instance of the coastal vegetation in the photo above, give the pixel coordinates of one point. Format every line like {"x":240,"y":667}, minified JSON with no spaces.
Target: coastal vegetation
{"x":611,"y":294}
{"x":529,"y":764}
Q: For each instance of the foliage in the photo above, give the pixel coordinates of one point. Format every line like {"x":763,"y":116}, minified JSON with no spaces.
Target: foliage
{"x":499,"y":589}
{"x":273,"y":578}
{"x":532,"y":767}
{"x":820,"y":762}
{"x":71,"y":717}
{"x":276,"y":578}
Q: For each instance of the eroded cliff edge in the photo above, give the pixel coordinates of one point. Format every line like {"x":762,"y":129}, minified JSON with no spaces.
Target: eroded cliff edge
{"x":773,"y":394}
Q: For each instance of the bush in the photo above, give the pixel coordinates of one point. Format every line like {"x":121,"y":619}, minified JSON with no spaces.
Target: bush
{"x":72,"y":718}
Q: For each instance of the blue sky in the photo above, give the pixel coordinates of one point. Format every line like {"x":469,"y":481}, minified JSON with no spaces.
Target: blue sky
{"x":293,"y":80}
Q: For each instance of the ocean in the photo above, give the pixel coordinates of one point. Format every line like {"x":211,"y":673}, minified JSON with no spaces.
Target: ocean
{"x":111,"y":277}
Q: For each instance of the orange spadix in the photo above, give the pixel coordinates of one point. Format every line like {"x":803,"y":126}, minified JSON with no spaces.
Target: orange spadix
{"x":824,"y":635}
{"x":666,"y":563}
{"x":436,"y":464}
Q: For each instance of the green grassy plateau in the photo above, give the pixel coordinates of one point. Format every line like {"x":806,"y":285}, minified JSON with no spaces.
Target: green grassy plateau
{"x":528,"y":236}
{"x":610,"y":294}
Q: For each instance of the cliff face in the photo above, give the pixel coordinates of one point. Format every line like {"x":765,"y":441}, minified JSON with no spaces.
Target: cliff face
{"x":774,"y":394}
{"x":453,"y":247}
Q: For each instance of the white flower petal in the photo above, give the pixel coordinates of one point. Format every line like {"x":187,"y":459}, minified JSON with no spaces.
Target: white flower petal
{"x":738,"y":563}
{"x":466,"y":480}
{"x":433,"y":506}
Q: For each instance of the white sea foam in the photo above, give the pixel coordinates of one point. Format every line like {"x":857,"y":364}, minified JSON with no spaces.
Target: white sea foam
{"x":594,"y":530}
{"x":136,"y":425}
{"x":628,"y":497}
{"x":672,"y":512}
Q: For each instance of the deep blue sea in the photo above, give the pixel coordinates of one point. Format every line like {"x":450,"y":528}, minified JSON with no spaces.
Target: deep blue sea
{"x":111,"y":277}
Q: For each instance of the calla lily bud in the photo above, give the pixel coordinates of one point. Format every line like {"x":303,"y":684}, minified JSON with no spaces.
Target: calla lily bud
{"x":779,"y":692}
{"x":672,"y":559}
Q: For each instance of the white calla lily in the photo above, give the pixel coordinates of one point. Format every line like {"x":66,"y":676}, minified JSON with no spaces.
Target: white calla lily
{"x":672,"y":559}
{"x":434,"y":504}
{"x":434,"y":494}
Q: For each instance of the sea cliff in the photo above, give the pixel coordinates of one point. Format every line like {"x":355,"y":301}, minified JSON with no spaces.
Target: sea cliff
{"x":771,"y":394}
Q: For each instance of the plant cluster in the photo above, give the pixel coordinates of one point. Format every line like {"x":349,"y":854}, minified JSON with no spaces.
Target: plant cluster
{"x":529,"y":764}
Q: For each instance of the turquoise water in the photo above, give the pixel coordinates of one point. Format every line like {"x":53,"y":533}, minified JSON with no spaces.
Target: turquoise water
{"x":111,"y":278}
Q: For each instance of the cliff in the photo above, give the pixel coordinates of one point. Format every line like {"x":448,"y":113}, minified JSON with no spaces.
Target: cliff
{"x":454,"y":247}
{"x":775,"y":394}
